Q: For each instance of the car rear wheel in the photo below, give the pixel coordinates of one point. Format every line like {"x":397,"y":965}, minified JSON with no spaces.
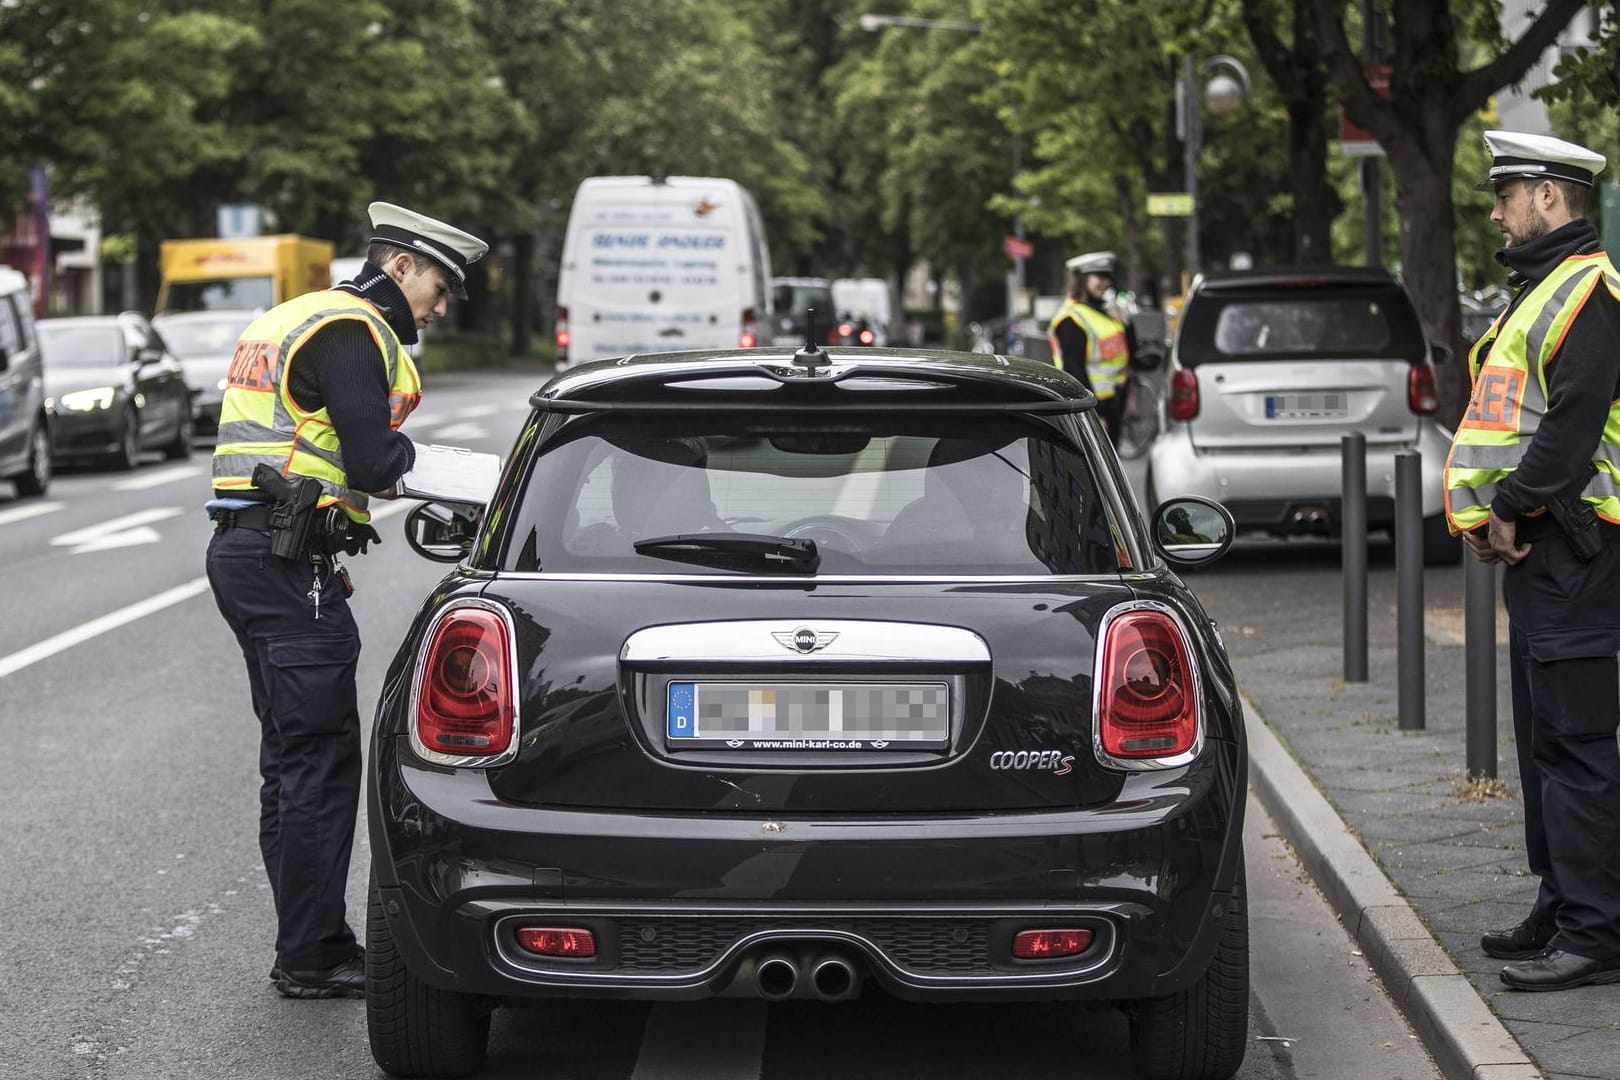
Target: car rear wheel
{"x":1202,"y":1032}
{"x":1440,"y":548}
{"x":417,"y":1029}
{"x":37,"y":476}
{"x":128,"y":454}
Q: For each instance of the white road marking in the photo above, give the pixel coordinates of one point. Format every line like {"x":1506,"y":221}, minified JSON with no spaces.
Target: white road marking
{"x":472,"y":412}
{"x":162,"y":476}
{"x":125,"y":531}
{"x":704,"y":1040}
{"x":96,"y":627}
{"x":465,"y":432}
{"x":28,"y":510}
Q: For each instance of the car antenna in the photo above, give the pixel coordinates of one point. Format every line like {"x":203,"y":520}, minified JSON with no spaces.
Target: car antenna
{"x":812,"y":355}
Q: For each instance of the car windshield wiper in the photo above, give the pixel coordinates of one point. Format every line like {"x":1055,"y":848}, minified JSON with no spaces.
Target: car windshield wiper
{"x":741,"y":551}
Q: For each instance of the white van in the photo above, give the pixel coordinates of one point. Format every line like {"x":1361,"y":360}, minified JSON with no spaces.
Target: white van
{"x":865,"y":300}
{"x":661,"y":264}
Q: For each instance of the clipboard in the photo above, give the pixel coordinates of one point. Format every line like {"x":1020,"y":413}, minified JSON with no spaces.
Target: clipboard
{"x":451,"y":474}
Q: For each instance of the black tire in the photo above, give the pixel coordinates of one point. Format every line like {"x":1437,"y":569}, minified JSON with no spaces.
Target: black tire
{"x":37,"y":478}
{"x":179,"y":447}
{"x":1202,"y":1032}
{"x":1440,"y":548}
{"x":416,"y":1029}
{"x":128,"y":454}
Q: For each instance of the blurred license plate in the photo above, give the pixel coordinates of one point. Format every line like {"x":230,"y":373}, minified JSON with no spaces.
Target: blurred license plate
{"x":809,"y":716}
{"x":1306,"y":406}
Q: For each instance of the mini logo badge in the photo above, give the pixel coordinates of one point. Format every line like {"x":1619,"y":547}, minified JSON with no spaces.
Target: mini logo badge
{"x":805,"y":639}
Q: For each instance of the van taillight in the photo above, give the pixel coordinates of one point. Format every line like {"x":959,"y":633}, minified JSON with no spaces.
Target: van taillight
{"x":1184,"y":394}
{"x":748,"y":338}
{"x":564,"y":338}
{"x":464,"y":704}
{"x":1421,"y":396}
{"x":1147,"y":704}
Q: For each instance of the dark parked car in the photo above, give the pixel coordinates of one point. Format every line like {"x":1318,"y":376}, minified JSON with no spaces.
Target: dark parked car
{"x":204,"y":341}
{"x":786,"y":676}
{"x":792,"y":301}
{"x":25,"y":437}
{"x":114,"y":389}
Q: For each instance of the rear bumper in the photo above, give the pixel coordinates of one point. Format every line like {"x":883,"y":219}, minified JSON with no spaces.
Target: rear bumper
{"x":1262,"y":488}
{"x":687,"y":906}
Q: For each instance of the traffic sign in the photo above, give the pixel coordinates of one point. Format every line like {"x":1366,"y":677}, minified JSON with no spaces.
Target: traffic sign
{"x":1355,"y":141}
{"x":1017,"y":248}
{"x":1169,"y":204}
{"x":234,"y":221}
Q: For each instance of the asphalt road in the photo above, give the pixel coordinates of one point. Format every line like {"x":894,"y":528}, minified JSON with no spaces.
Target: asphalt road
{"x":137,"y":928}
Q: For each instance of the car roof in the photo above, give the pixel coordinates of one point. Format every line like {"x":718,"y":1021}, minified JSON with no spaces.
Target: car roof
{"x":1295,"y":277}
{"x":897,"y":379}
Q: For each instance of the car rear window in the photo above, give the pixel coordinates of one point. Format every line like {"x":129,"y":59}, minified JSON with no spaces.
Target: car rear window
{"x":921,"y":496}
{"x":1300,"y":323}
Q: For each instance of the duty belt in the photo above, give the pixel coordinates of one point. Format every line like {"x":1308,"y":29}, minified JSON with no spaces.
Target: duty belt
{"x":248,"y":517}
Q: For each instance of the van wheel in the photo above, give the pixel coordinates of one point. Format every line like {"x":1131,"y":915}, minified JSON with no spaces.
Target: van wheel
{"x":417,"y":1029}
{"x":1202,"y":1032}
{"x":37,"y":478}
{"x":1440,"y":548}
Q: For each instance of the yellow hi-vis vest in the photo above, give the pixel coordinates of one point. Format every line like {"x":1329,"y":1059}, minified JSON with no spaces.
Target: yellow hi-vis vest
{"x":1509,"y":369}
{"x":260,"y":422}
{"x":1105,"y":360}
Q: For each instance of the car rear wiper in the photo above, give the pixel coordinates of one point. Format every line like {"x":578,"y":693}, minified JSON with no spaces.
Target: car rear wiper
{"x":741,"y":551}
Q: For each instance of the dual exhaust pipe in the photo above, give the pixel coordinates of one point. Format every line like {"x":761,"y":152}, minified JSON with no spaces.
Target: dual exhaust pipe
{"x":831,"y":978}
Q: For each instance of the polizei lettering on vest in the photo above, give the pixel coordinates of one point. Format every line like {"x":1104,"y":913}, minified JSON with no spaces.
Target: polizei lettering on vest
{"x":254,"y":365}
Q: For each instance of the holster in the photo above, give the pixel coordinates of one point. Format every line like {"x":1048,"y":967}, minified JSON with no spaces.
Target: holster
{"x":1577,"y":520}
{"x":292,"y":515}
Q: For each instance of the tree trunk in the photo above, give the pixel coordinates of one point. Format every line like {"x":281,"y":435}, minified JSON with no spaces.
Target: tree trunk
{"x":522,"y":293}
{"x":1307,"y":165}
{"x":1429,"y":258}
{"x":1132,"y":224}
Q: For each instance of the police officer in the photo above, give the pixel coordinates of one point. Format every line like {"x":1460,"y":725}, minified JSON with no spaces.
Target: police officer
{"x":1087,"y":338}
{"x":1533,"y":482}
{"x":317,"y":390}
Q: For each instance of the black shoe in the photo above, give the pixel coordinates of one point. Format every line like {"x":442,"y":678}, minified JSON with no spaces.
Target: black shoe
{"x":1556,"y":969}
{"x":1519,"y":942}
{"x":347,"y":979}
{"x":275,"y":971}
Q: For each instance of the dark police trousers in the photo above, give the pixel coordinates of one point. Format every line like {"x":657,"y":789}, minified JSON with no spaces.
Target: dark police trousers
{"x":301,"y":675}
{"x":1564,"y":630}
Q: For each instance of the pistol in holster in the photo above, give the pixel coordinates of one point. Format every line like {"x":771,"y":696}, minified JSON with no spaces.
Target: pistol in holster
{"x":292,"y":515}
{"x":1576,"y":519}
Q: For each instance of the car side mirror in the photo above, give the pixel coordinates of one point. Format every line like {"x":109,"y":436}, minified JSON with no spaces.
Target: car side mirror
{"x":1192,"y":530}
{"x":442,"y":532}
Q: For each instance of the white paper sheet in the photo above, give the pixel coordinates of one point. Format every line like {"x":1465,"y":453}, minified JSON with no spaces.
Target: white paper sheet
{"x":451,"y":474}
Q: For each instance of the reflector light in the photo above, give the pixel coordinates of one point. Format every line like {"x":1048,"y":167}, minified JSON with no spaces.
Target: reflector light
{"x":1421,"y":396}
{"x":1184,"y":394}
{"x":867,"y":337}
{"x":557,"y":941}
{"x":1050,"y":944}
{"x":465,"y":706}
{"x":845,"y":330}
{"x":1146,"y":707}
{"x":564,"y":338}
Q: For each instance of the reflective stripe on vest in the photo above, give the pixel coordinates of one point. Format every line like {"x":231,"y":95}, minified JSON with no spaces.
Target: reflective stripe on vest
{"x":1509,"y":369}
{"x":1107,"y":351}
{"x":259,"y":421}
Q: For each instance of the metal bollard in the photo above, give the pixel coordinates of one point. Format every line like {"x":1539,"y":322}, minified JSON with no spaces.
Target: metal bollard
{"x":1479,"y":648}
{"x":1409,"y":588}
{"x":1353,"y":549}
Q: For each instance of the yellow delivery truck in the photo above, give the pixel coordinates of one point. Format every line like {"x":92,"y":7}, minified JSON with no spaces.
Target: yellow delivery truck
{"x":256,"y":272}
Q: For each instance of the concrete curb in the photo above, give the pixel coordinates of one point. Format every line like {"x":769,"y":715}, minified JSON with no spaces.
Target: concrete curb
{"x":1467,"y":1040}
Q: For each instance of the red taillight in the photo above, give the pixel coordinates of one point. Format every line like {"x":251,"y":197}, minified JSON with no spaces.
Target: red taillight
{"x":1146,"y":705}
{"x":465,"y":704}
{"x":746,"y":339}
{"x":1050,"y":944}
{"x":1421,"y":396}
{"x":557,"y":941}
{"x":845,"y":331}
{"x":1184,"y":394}
{"x":867,"y":337}
{"x":564,"y":338}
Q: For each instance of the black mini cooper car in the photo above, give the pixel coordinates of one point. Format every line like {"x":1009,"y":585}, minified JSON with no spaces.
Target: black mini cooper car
{"x":792,"y":675}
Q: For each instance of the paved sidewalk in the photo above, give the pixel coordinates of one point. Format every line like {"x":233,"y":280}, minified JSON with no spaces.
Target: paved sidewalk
{"x":1453,"y":852}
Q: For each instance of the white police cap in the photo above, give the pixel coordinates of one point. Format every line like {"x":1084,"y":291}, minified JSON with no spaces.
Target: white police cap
{"x":444,"y":244}
{"x":1093,"y":262}
{"x":1518,"y":155}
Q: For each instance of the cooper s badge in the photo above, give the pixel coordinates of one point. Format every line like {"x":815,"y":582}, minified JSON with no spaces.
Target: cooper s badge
{"x":1055,"y":762}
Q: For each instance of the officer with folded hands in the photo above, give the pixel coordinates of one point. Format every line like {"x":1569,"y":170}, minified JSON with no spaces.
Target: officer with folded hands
{"x":314,"y":399}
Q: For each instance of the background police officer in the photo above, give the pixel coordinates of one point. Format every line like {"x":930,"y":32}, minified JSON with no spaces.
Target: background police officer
{"x":1088,"y":339}
{"x":1543,"y":431}
{"x":318,"y":389}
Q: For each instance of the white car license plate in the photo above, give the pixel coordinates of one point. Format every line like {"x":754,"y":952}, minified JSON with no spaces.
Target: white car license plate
{"x":1307,"y":406}
{"x":809,"y":716}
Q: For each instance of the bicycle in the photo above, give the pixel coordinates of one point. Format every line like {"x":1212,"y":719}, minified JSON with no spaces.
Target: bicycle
{"x":1139,"y":424}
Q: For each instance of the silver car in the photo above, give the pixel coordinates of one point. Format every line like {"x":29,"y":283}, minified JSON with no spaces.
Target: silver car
{"x":1269,"y":369}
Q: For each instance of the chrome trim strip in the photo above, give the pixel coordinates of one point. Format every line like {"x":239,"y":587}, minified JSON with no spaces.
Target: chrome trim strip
{"x":816,"y":579}
{"x":1107,"y":941}
{"x":458,"y":760}
{"x":752,"y":640}
{"x":1195,"y":677}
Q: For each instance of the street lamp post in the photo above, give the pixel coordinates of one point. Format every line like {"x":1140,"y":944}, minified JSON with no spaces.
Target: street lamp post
{"x":1223,"y":93}
{"x":872,"y":23}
